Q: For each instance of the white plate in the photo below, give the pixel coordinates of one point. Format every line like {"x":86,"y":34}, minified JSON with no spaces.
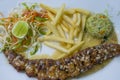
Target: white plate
{"x":110,"y":72}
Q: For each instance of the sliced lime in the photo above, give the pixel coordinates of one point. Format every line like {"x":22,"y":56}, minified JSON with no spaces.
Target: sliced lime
{"x":20,"y":29}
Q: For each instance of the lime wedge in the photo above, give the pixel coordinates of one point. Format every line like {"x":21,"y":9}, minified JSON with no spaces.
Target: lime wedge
{"x":20,"y":29}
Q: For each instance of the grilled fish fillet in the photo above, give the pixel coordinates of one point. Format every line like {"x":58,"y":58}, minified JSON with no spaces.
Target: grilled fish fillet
{"x":61,"y":69}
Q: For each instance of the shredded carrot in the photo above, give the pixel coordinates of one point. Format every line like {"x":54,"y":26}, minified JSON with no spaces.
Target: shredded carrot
{"x":14,"y":39}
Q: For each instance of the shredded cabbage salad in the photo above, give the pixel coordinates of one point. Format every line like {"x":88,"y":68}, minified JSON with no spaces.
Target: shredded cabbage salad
{"x":34,"y":17}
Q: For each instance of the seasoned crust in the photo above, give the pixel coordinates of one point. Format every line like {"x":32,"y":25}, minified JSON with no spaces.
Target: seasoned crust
{"x":48,"y":69}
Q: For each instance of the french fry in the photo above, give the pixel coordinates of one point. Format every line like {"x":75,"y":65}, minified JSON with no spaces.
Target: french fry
{"x":56,"y":47}
{"x":56,"y":53}
{"x":75,"y":32}
{"x":59,"y":15}
{"x":65,"y":24}
{"x":51,"y":16}
{"x":85,"y":12}
{"x":69,"y":11}
{"x":61,"y":56}
{"x":79,"y":19}
{"x":75,"y":18}
{"x":61,"y":32}
{"x":79,"y":31}
{"x":67,"y":19}
{"x":55,"y":38}
{"x":41,"y":56}
{"x":68,"y":29}
{"x":80,"y":37}
{"x":64,"y":28}
{"x":48,"y":8}
{"x":71,"y":34}
{"x":71,"y":37}
{"x":76,"y":47}
{"x":68,"y":46}
{"x":52,"y":28}
{"x":63,"y":44}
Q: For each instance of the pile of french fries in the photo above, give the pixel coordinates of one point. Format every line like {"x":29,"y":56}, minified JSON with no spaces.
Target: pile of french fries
{"x":66,"y":28}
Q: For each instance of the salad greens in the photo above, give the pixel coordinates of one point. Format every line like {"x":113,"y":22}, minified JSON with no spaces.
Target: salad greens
{"x":21,"y":33}
{"x":29,"y":7}
{"x":35,"y":48}
{"x":40,"y":19}
{"x":25,"y":5}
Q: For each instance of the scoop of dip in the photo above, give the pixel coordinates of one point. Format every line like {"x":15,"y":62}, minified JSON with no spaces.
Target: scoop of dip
{"x":99,"y":26}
